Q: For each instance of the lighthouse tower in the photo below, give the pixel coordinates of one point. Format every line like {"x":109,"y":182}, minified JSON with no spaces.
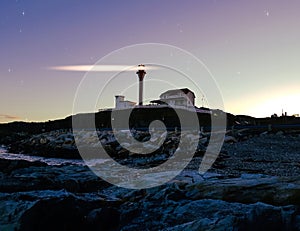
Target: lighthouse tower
{"x":141,"y":74}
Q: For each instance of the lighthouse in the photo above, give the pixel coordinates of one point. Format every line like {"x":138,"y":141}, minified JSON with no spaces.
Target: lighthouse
{"x":141,"y":74}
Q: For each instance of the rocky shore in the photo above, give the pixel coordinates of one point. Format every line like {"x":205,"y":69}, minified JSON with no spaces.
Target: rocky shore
{"x":254,"y":184}
{"x":35,"y":196}
{"x":61,"y":144}
{"x":58,"y":143}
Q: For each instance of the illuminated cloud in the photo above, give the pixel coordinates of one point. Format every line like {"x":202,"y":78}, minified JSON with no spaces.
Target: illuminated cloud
{"x":9,"y":117}
{"x":102,"y":68}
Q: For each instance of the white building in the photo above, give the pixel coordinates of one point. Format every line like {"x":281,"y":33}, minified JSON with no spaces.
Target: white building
{"x":178,"y":97}
{"x":183,"y":98}
{"x":121,"y":103}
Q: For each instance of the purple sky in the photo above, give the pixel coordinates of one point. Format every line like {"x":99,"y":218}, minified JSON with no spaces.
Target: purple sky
{"x":251,"y":47}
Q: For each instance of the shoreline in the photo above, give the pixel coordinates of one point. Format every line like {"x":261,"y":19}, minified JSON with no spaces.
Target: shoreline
{"x":249,"y":181}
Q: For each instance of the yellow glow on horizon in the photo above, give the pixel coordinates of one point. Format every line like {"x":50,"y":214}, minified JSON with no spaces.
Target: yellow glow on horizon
{"x":267,"y":102}
{"x":287,"y":103}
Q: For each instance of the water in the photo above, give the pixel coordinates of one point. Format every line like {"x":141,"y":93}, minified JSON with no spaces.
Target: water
{"x":49,"y":161}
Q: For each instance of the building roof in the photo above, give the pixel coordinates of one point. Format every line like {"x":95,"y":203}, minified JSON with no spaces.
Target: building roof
{"x":175,"y":91}
{"x":127,"y":101}
{"x":158,"y":101}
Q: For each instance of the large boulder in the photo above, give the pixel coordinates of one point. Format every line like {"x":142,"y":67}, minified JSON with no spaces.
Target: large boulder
{"x":69,"y":213}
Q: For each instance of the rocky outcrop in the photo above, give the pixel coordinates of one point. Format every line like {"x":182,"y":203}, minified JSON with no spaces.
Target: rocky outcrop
{"x":35,"y":196}
{"x":21,"y":175}
{"x":70,"y":213}
{"x":61,"y":144}
{"x":221,"y":215}
{"x":253,"y":185}
{"x":57,"y":210}
{"x":58,"y":143}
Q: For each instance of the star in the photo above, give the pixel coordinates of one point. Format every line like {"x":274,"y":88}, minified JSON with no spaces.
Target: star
{"x":23,"y":13}
{"x":267,"y":13}
{"x":179,"y":25}
{"x":9,"y":70}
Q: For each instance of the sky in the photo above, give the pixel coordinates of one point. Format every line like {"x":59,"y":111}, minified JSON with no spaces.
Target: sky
{"x":251,"y":48}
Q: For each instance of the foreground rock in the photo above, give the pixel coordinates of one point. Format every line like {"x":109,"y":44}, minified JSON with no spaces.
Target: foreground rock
{"x":58,"y":210}
{"x":21,"y":175}
{"x":35,"y":196}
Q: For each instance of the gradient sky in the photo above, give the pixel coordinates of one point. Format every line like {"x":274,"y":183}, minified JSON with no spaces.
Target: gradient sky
{"x":252,"y":49}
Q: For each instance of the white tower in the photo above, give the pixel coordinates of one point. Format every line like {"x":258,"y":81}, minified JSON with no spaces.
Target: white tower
{"x":141,"y":74}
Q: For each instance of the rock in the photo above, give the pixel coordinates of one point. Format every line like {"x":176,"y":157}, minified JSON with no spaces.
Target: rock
{"x":230,"y":139}
{"x":52,"y":144}
{"x":44,"y":140}
{"x":7,"y":166}
{"x":55,"y":214}
{"x":61,"y":144}
{"x":221,"y":215}
{"x":103,"y":219}
{"x":264,"y":133}
{"x":279,"y":133}
{"x":58,"y":210}
{"x":271,"y":190}
{"x":188,"y":202}
{"x":21,"y":175}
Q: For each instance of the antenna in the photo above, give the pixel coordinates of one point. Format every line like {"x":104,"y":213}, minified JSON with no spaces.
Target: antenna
{"x":202,"y":100}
